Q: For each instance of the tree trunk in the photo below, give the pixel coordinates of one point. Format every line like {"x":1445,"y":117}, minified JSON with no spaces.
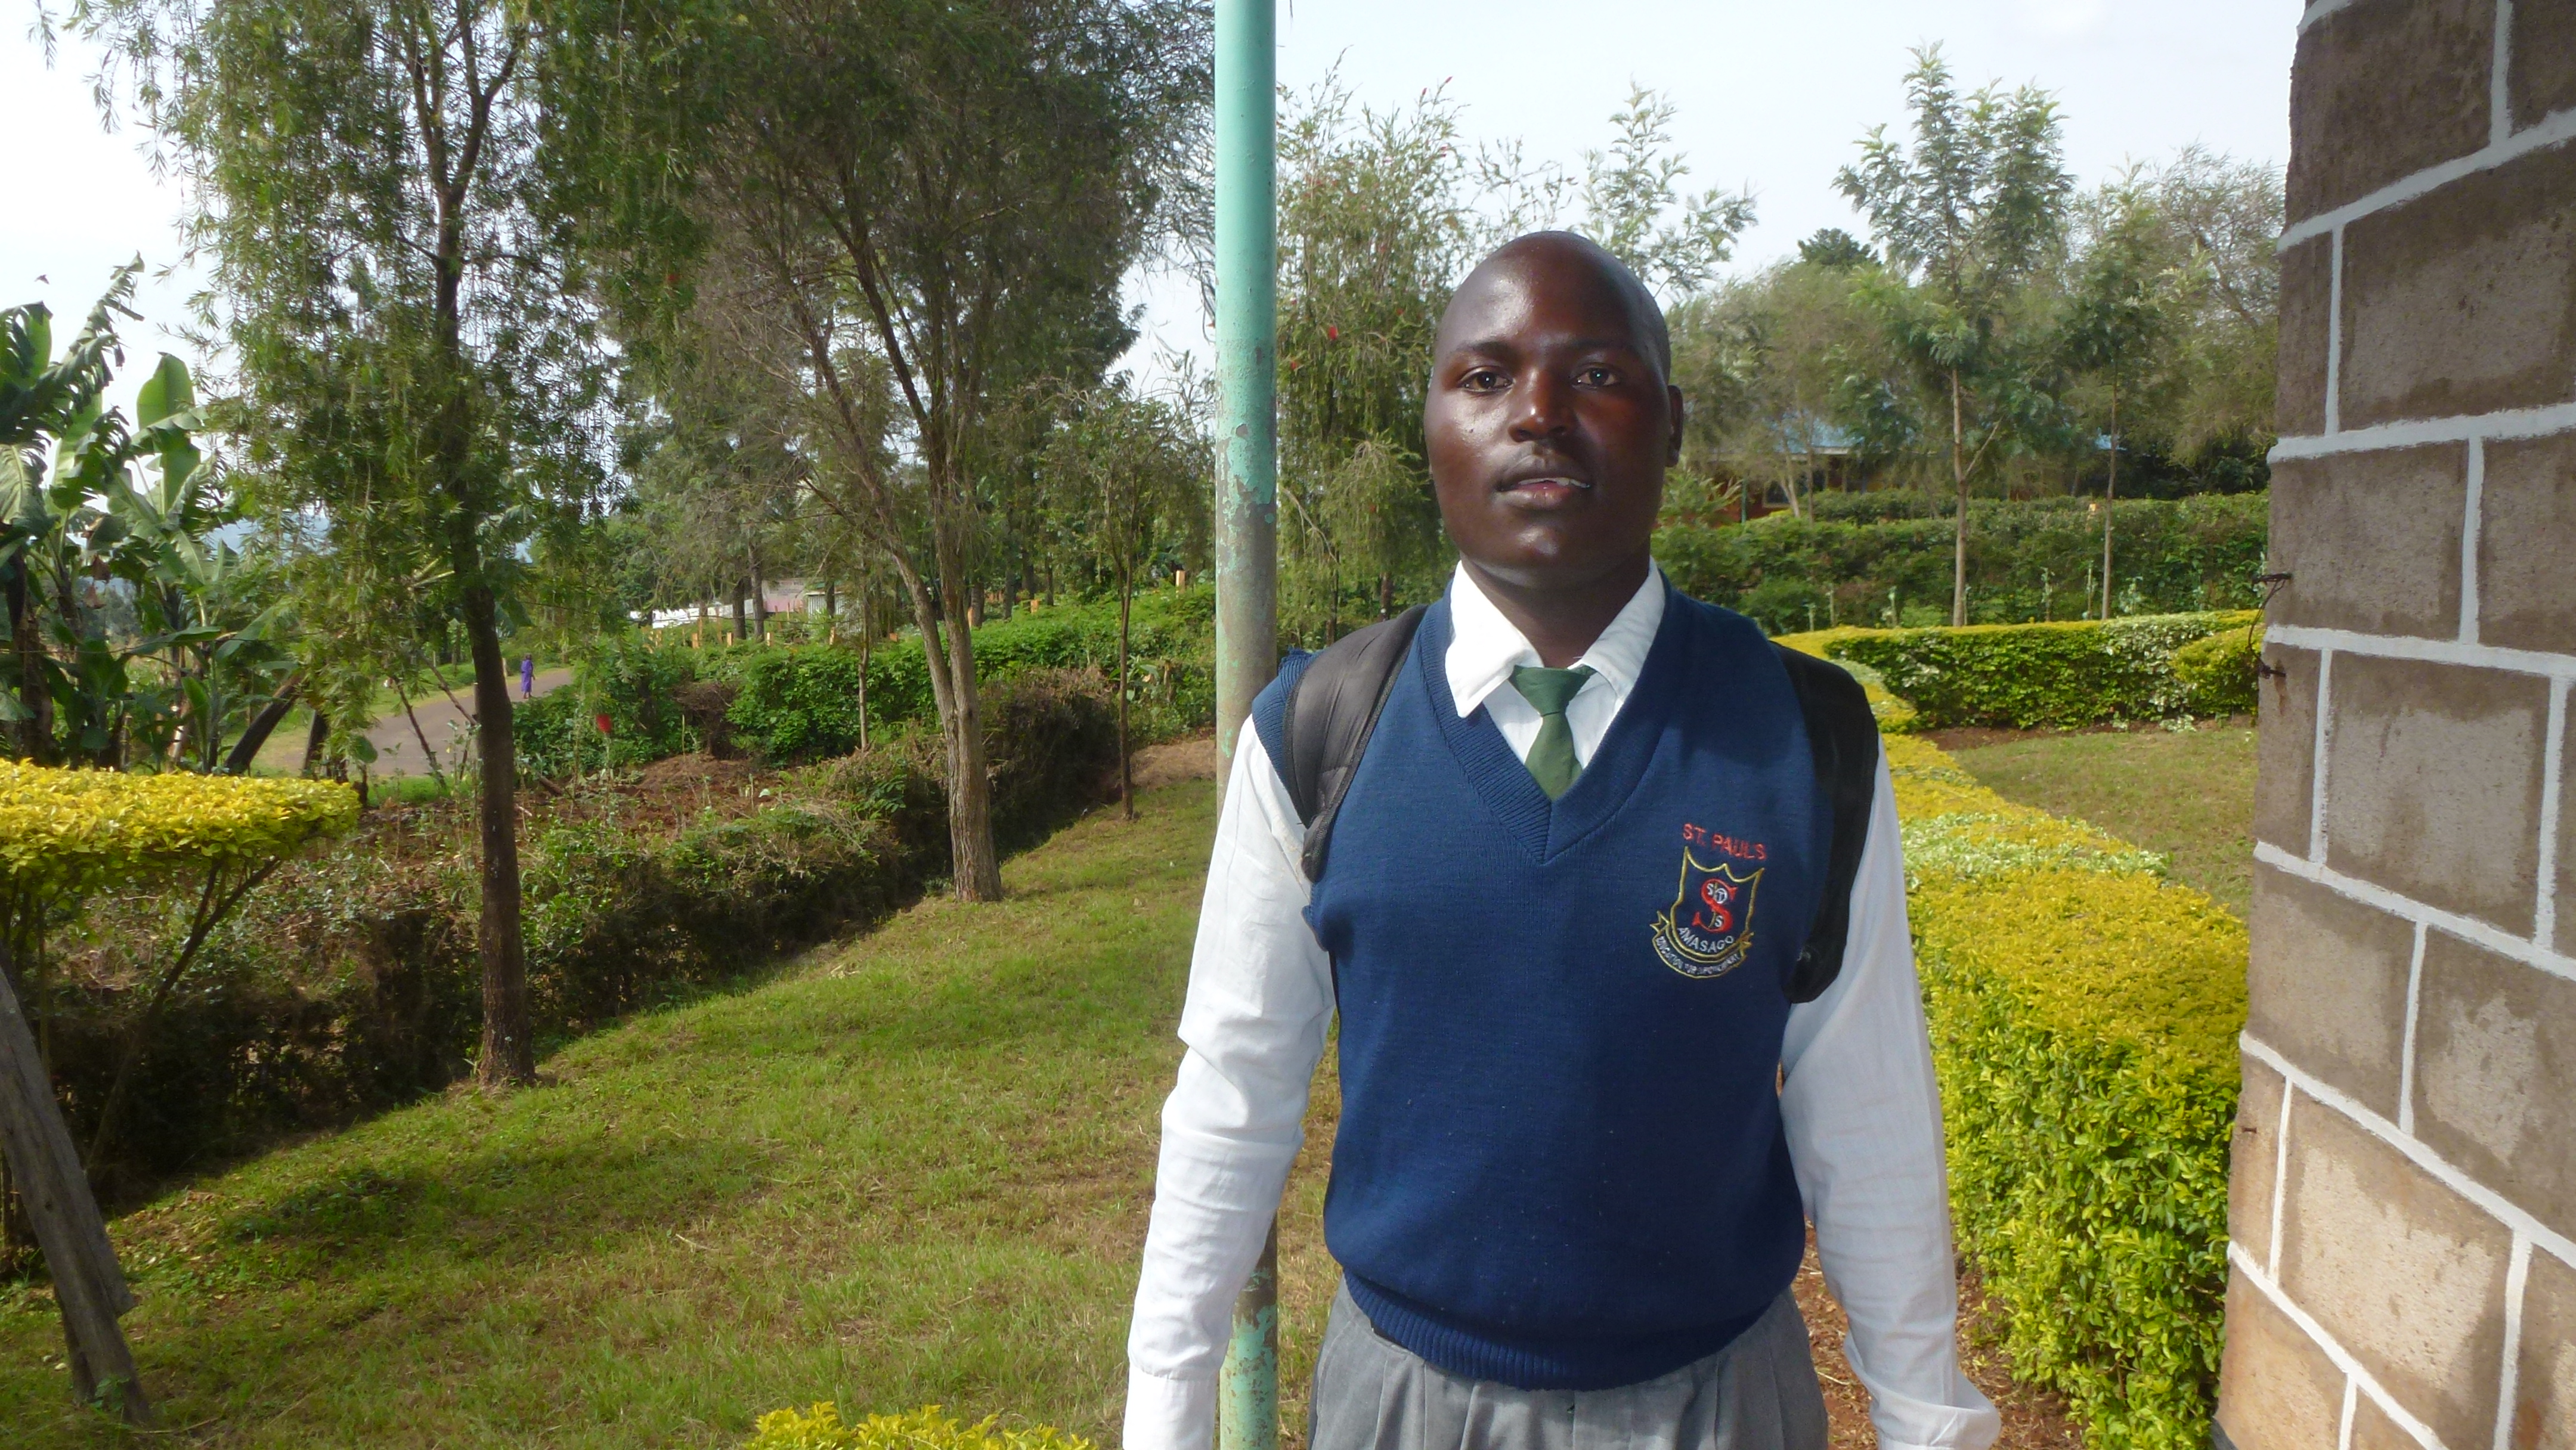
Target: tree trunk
{"x":509,"y":1041}
{"x":975,"y":867}
{"x":262,"y":725}
{"x":2110,"y":493}
{"x":759,"y":601}
{"x":741,"y":619}
{"x":1959,"y":473}
{"x":314,"y":739}
{"x":867,"y":652}
{"x":1126,"y":765}
{"x":26,"y":641}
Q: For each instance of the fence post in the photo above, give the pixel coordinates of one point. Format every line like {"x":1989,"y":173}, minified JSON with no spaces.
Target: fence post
{"x":89,"y":1288}
{"x":1247,"y":545}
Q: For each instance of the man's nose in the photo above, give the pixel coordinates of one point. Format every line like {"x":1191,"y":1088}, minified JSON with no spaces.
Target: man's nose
{"x":1543,"y":408}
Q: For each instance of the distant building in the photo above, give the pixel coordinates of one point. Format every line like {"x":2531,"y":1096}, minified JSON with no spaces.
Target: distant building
{"x":1821,"y":458}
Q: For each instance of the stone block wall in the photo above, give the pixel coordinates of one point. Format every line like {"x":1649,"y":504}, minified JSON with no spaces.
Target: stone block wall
{"x":2403,"y":1210}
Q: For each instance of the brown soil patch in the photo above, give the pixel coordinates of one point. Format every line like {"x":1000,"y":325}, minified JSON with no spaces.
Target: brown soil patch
{"x":1192,"y":758}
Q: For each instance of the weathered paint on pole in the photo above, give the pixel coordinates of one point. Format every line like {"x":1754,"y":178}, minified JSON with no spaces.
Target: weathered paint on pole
{"x":1247,"y":1392}
{"x":1247,"y":452}
{"x":1247,"y":546}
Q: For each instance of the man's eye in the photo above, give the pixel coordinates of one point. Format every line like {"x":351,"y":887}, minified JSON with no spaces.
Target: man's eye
{"x":1484,"y":380}
{"x":1596,"y":377}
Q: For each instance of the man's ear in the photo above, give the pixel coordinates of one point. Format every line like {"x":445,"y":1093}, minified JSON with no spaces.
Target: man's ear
{"x":1673,"y":446}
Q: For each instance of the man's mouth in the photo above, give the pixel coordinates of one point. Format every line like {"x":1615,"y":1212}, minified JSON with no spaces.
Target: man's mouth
{"x":1544,"y":490}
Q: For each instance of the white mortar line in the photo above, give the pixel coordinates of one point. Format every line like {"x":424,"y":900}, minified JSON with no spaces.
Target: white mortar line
{"x":2499,"y":72}
{"x":2334,"y":335}
{"x":2553,"y":800}
{"x":2280,"y":1178}
{"x":2498,"y":1207}
{"x":2516,"y":1278}
{"x":2466,"y":928}
{"x":2406,"y":1050}
{"x":2354,"y":1372}
{"x":2351,"y":1394}
{"x":2436,"y":651}
{"x":2319,"y":9}
{"x":2539,"y":137}
{"x":2471,"y":521}
{"x":2416,"y":432}
{"x":2317,"y":753}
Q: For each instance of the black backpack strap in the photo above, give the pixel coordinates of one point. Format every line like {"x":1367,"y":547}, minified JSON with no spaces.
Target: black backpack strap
{"x":1843,"y":736}
{"x":1331,"y":709}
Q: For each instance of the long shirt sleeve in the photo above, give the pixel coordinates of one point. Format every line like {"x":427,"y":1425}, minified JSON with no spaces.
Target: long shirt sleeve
{"x":1863,"y":1117}
{"x":1260,"y":1001}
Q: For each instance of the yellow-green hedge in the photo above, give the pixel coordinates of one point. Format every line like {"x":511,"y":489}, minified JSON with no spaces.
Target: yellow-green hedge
{"x":70,"y":830}
{"x":2084,"y":1013}
{"x":1893,"y":714}
{"x":821,"y":1428}
{"x":2079,"y":672}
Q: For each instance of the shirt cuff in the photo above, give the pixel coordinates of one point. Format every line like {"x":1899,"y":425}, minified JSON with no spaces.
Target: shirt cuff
{"x":1168,"y":1414}
{"x":1968,"y":1421}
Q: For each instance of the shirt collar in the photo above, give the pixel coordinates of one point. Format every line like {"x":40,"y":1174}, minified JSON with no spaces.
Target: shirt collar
{"x":1484,"y":646}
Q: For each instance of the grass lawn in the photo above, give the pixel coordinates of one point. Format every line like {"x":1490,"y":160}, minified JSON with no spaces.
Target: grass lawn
{"x":2189,"y":794}
{"x":915,"y":1168}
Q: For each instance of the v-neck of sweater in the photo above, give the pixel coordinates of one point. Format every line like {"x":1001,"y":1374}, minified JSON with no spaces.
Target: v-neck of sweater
{"x":1543,"y":827}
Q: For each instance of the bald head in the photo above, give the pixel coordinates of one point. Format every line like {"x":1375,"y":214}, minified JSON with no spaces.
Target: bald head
{"x":1561,"y":260}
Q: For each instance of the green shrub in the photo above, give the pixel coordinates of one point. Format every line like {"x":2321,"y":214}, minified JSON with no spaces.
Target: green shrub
{"x":821,"y":1428}
{"x":638,"y":688}
{"x":350,"y":984}
{"x":797,"y":703}
{"x":2025,"y":675}
{"x":2084,"y":1015}
{"x":2218,"y":671}
{"x":2026,"y":561}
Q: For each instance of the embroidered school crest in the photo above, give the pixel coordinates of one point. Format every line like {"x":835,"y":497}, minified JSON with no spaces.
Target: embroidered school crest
{"x":1709,"y":929}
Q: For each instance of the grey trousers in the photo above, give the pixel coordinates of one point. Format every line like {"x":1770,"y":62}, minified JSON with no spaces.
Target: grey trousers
{"x":1758,"y":1393}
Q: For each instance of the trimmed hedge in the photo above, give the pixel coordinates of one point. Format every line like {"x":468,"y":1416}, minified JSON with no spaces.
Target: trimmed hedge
{"x":350,"y":985}
{"x":2026,"y":561}
{"x":2023,"y":675}
{"x":2084,"y":1014}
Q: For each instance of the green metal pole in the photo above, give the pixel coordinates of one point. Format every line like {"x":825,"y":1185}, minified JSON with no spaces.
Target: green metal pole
{"x":1247,"y":300}
{"x":1247,"y":546}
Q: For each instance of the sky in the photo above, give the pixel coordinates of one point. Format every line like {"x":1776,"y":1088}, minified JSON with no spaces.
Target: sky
{"x":1771,"y":95}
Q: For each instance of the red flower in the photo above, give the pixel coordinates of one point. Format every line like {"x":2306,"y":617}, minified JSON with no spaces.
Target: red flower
{"x":601,"y":720}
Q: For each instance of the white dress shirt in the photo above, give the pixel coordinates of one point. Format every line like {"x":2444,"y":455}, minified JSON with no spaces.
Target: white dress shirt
{"x":1860,"y":1107}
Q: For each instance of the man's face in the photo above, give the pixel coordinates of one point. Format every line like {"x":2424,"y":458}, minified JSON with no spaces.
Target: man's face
{"x":1549,"y":424}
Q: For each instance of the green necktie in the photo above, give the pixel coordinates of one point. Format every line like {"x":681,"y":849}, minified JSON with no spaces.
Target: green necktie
{"x":1551,"y":758}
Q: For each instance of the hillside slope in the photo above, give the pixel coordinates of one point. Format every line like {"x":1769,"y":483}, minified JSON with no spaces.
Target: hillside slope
{"x":912,"y":1169}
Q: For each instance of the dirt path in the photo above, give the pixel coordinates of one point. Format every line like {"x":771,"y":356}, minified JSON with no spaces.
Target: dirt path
{"x":398,"y":748}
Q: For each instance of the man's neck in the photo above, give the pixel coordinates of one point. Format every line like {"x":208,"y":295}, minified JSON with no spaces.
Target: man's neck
{"x":1562,"y":620}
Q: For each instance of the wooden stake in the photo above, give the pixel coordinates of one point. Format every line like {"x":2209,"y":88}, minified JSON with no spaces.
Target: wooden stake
{"x":88,"y":1285}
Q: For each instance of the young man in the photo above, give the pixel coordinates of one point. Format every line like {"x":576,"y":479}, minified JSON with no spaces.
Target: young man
{"x":1583,"y":1123}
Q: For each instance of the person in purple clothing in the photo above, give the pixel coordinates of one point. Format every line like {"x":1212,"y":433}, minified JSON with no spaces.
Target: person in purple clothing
{"x":527,"y":677}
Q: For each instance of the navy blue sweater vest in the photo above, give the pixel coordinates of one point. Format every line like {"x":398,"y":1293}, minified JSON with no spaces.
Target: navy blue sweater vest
{"x":1560,"y":1163}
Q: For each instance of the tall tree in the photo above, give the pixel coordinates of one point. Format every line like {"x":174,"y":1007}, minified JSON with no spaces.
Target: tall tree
{"x":1968,"y":215}
{"x":936,"y":199}
{"x":2117,"y":319}
{"x":1132,"y":471}
{"x":406,"y":301}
